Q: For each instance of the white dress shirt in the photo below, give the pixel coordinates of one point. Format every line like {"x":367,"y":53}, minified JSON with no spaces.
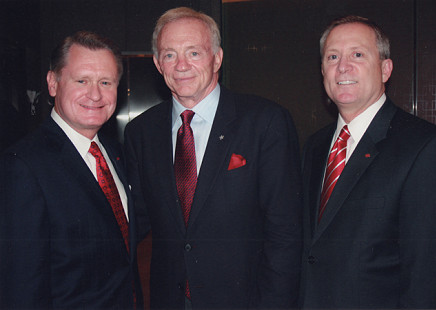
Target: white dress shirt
{"x":82,"y":144}
{"x":357,"y":126}
{"x":201,"y":123}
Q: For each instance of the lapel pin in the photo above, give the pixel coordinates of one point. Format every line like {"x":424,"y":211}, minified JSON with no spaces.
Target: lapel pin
{"x":222,"y":137}
{"x":368,"y":155}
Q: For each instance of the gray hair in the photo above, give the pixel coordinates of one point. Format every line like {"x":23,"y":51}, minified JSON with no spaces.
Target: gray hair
{"x":382,"y":40}
{"x":181,"y":13}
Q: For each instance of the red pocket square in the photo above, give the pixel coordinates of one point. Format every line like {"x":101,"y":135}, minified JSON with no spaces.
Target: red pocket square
{"x":236,"y":161}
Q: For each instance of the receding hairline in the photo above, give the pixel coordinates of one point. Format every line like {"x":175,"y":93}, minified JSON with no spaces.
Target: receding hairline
{"x":381,"y":39}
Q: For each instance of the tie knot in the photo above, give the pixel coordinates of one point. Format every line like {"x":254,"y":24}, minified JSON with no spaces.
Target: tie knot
{"x":345,"y":133}
{"x":187,"y":116}
{"x":94,"y":150}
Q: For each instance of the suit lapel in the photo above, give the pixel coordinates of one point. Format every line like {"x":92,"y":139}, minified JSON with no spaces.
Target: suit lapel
{"x":76,"y":169}
{"x":216,"y":151}
{"x":72,"y":162}
{"x":120,"y":171}
{"x":163,"y":151}
{"x":362,"y":157}
{"x":320,"y":155}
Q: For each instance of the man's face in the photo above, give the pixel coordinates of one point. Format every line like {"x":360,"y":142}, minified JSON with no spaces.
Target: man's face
{"x":86,"y":90}
{"x":354,"y":75}
{"x":186,"y":60}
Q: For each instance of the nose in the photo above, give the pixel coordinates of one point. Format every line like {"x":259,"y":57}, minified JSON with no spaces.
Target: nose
{"x":94,"y":92}
{"x":182,"y":63}
{"x":344,"y":65}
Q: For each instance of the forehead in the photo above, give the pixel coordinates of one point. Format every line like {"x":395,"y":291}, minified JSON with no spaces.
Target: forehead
{"x":80,"y":57}
{"x":351,"y":35}
{"x":190,"y":30}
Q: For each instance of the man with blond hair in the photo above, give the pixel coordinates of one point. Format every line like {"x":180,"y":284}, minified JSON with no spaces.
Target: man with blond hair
{"x":216,"y":176}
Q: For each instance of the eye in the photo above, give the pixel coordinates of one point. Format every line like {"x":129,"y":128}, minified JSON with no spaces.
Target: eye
{"x":81,"y":81}
{"x":332,"y":57}
{"x":358,"y":55}
{"x":106,"y":83}
{"x":194,"y":53}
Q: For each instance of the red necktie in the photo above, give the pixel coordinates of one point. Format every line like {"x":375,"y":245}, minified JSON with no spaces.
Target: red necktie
{"x":185,"y":169}
{"x":335,"y":165}
{"x":107,"y":184}
{"x":185,"y":166}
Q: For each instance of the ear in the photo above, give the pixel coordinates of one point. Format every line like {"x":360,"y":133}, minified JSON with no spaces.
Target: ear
{"x":387,"y":67}
{"x":218,"y":59}
{"x":52,"y":83}
{"x":156,"y":63}
{"x":322,"y":70}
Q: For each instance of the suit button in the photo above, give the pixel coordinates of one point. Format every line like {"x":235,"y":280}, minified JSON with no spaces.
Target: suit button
{"x":180,"y":286}
{"x":188,"y":247}
{"x":311,"y":260}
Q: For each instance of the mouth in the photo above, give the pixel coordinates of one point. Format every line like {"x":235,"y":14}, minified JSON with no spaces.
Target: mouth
{"x":183,"y":79}
{"x":346,"y":82}
{"x":91,"y":107}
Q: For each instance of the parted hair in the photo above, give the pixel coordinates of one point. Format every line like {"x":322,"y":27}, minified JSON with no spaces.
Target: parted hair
{"x":89,"y":40}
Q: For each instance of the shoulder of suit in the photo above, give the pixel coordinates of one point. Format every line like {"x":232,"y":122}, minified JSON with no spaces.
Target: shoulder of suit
{"x":155,"y":113}
{"x":406,"y":125}
{"x":109,"y":143}
{"x":250,"y":103}
{"x":36,"y":147}
{"x":326,"y":132}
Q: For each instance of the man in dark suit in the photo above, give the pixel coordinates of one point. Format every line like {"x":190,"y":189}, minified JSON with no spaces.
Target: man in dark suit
{"x":238,"y":243}
{"x":64,"y":245}
{"x":369,"y":232}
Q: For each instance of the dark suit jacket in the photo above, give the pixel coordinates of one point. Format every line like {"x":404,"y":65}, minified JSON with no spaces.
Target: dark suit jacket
{"x":61,"y":246}
{"x":375,"y":246}
{"x":242,"y":245}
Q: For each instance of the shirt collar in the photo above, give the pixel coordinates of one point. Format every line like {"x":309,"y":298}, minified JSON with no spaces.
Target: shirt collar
{"x":80,"y":142}
{"x":360,"y":123}
{"x":205,"y":109}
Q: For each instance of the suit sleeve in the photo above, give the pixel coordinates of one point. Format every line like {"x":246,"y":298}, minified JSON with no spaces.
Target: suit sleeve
{"x":417,"y":226}
{"x":25,"y":235}
{"x":131,"y":147}
{"x":280,"y":197}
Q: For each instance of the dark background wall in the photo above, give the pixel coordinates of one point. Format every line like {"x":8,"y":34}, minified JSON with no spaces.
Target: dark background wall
{"x":270,"y":49}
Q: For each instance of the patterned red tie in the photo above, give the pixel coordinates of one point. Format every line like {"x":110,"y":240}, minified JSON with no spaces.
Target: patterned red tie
{"x":335,"y":165}
{"x":185,"y":166}
{"x":107,"y":184}
{"x":185,"y":169}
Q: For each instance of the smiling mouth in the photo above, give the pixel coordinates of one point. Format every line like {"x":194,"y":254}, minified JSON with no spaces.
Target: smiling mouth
{"x":346,"y":82}
{"x":91,"y":107}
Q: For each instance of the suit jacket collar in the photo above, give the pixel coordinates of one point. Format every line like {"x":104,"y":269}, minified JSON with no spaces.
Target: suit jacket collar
{"x":76,"y":168}
{"x":163,"y":151}
{"x":365,"y":152}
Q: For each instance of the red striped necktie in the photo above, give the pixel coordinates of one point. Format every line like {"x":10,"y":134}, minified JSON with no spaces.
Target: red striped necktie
{"x":335,"y":165}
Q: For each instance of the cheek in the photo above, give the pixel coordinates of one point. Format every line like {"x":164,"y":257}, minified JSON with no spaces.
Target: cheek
{"x":111,"y":99}
{"x":329,"y":82}
{"x":167,"y":69}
